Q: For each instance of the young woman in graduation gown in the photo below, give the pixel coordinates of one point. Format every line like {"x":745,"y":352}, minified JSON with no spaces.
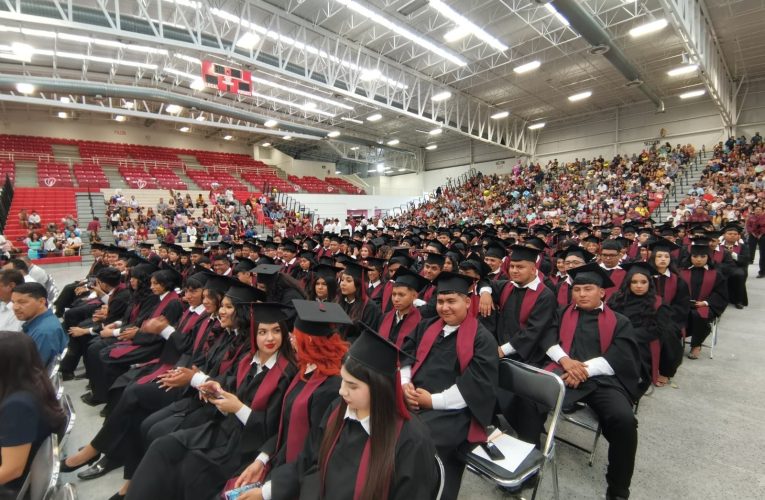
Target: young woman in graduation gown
{"x":656,"y":334}
{"x":195,"y":463}
{"x":354,"y":301}
{"x":320,"y":351}
{"x":368,"y":446}
{"x":119,"y":438}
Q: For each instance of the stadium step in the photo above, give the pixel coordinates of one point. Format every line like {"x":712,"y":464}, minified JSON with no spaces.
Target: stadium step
{"x":26,"y":173}
{"x":114,"y":177}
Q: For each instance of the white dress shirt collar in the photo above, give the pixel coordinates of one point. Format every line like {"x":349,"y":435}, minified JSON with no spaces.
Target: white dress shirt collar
{"x":350,"y":414}
{"x":533,"y":284}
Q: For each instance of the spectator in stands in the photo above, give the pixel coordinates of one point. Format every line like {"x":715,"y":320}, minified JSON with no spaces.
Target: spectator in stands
{"x":73,"y":245}
{"x":115,"y":218}
{"x":30,"y":304}
{"x":34,"y":245}
{"x":162,"y":206}
{"x":93,"y":227}
{"x":29,"y":410}
{"x":6,"y":247}
{"x":200,"y":201}
{"x":24,"y":218}
{"x":34,"y":221}
{"x":755,"y":226}
{"x":9,"y":279}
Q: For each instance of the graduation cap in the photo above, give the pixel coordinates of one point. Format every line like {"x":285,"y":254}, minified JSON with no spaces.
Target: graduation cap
{"x":732,"y":226}
{"x":109,"y":275}
{"x":308,"y":255}
{"x":536,"y":242}
{"x":97,"y":246}
{"x":289,"y":246}
{"x":375,"y":263}
{"x":668,"y":231}
{"x":353,"y":268}
{"x":146,"y":269}
{"x":523,"y":252}
{"x":318,"y":318}
{"x":199,"y":280}
{"x":267,"y":269}
{"x":477,"y":265}
{"x":378,"y":242}
{"x":264,"y":259}
{"x":447,"y":282}
{"x":239,"y":293}
{"x":343,"y":259}
{"x":590,"y":274}
{"x":244,"y":266}
{"x":177,"y":277}
{"x":435,"y":259}
{"x":645,"y":230}
{"x":639,"y":267}
{"x":542,"y":229}
{"x":271,"y":312}
{"x":612,"y":245}
{"x":326,"y":272}
{"x":145,"y":245}
{"x":437,"y":245}
{"x":137,"y":260}
{"x":663,"y":245}
{"x":406,"y":277}
{"x":376,"y":353}
{"x":629,"y":228}
{"x":455,"y":257}
{"x":220,"y":283}
{"x":270,"y":245}
{"x":579,"y":252}
{"x":327,"y":261}
{"x":592,"y":239}
{"x":700,"y":245}
{"x":496,"y":250}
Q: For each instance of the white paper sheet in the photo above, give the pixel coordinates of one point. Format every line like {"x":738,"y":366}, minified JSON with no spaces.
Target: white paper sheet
{"x":514,"y":450}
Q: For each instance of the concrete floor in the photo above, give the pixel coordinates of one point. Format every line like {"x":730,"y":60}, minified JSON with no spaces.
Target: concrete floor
{"x":701,"y":438}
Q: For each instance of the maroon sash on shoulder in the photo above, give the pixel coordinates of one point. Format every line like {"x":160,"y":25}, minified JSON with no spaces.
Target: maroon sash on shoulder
{"x":410,"y":323}
{"x":633,"y":250}
{"x":386,"y":295}
{"x":606,"y":328}
{"x":718,"y":255}
{"x":617,"y":276}
{"x":563,"y":290}
{"x":361,"y":474}
{"x":188,"y":320}
{"x":527,"y":304}
{"x":269,"y":383}
{"x":299,"y":425}
{"x":465,"y":345}
{"x":428,"y":292}
{"x":126,"y":347}
{"x":670,"y":287}
{"x":655,"y":348}
{"x":707,"y":285}
{"x":201,"y":332}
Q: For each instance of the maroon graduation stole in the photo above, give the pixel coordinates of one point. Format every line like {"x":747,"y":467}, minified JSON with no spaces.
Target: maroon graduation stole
{"x":554,"y":279}
{"x":563,"y":292}
{"x":655,"y":347}
{"x":411,"y":321}
{"x":707,"y":285}
{"x":123,"y":348}
{"x":669,"y":288}
{"x":718,"y":255}
{"x":527,"y":304}
{"x":269,"y":383}
{"x":465,"y":344}
{"x":386,"y":295}
{"x":185,"y":325}
{"x":606,"y":328}
{"x":633,"y":250}
{"x":230,"y":357}
{"x":617,"y":276}
{"x":299,"y":425}
{"x":361,"y":474}
{"x":376,"y":291}
{"x":201,"y":334}
{"x":428,"y":292}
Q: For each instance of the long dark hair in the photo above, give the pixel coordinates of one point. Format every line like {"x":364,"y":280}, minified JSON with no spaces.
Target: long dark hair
{"x":276,"y":287}
{"x":383,"y":423}
{"x":356,"y":310}
{"x":331,"y":288}
{"x":143,"y":275}
{"x":21,"y":369}
{"x":646,"y":303}
{"x":285,"y":349}
{"x":672,"y":264}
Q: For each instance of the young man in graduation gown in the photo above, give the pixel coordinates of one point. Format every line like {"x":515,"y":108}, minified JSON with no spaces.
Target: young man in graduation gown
{"x":399,"y":323}
{"x":737,"y":273}
{"x":610,"y":256}
{"x":455,"y":400}
{"x":597,"y":357}
{"x":709,"y":294}
{"x":572,"y":258}
{"x":71,"y":292}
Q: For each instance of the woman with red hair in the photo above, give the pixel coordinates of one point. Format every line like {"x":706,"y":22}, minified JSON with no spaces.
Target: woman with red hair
{"x":320,"y":352}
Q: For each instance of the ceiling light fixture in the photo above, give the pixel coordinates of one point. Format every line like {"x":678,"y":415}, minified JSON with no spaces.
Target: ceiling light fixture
{"x":370,"y":74}
{"x":375,"y":117}
{"x":537,"y":126}
{"x":647,"y":28}
{"x":402,"y":170}
{"x":248,"y":40}
{"x":228,"y":137}
{"x":120,"y":118}
{"x":23,"y":51}
{"x":393,"y":142}
{"x":380,"y":167}
{"x":441,"y":96}
{"x":431,"y":147}
{"x":355,"y":148}
{"x":529,"y":66}
{"x":63,"y":115}
{"x":551,"y":9}
{"x":352,"y":120}
{"x":173,"y":109}
{"x":265,"y":144}
{"x":197,"y":84}
{"x":287,"y":137}
{"x":309,"y":105}
{"x":25,"y":88}
{"x":693,"y":93}
{"x":337,"y":172}
{"x":200,"y":118}
{"x":467,"y":25}
{"x":436,"y":131}
{"x":401,"y":30}
{"x":87,"y":57}
{"x":580,"y":96}
{"x":456,"y":34}
{"x":129,"y":105}
{"x":683,"y":70}
{"x":271,"y":123}
{"x":500,"y":115}
{"x":184,"y":129}
{"x":299,"y":92}
{"x":333,"y":134}
{"x":65,"y":100}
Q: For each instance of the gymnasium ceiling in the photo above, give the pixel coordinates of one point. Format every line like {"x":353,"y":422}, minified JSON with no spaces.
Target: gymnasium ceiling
{"x":327,"y":66}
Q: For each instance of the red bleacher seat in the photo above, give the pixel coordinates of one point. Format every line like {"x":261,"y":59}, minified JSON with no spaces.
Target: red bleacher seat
{"x":53,"y":204}
{"x":344,"y":185}
{"x":90,"y":175}
{"x":53,"y":174}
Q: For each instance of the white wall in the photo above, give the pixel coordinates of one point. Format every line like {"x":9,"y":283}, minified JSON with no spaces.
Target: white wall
{"x":335,"y":206}
{"x":752,"y":117}
{"x":625,"y":130}
{"x":41,"y":123}
{"x":273,"y":156}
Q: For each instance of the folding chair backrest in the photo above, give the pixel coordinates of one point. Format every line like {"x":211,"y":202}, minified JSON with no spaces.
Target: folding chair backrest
{"x":536,"y":385}
{"x":441,"y":477}
{"x":53,"y":366}
{"x":44,"y":471}
{"x":66,"y":404}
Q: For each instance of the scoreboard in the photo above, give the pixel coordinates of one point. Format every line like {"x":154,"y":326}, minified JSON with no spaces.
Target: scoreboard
{"x":226,"y":79}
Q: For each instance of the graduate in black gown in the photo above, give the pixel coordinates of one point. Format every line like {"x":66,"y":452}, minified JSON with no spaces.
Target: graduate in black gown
{"x":398,"y":324}
{"x":656,"y":333}
{"x":597,"y":357}
{"x":708,"y":291}
{"x":354,"y":301}
{"x":280,"y":287}
{"x":452,"y":384}
{"x":322,"y":287}
{"x":369,"y":445}
{"x":738,"y":273}
{"x":320,"y":351}
{"x":195,"y":463}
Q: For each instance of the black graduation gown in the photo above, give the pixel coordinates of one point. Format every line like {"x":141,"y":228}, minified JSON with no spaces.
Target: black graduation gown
{"x":283,"y":474}
{"x":370,"y":314}
{"x":698,"y":327}
{"x":680,"y":304}
{"x":440,"y":370}
{"x":414,"y":470}
{"x":505,"y":323}
{"x":737,"y":274}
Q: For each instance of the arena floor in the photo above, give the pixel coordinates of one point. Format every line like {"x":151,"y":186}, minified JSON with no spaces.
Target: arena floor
{"x":701,"y":438}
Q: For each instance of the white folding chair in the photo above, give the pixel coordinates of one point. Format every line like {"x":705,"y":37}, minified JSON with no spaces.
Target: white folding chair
{"x":53,"y":366}
{"x":43,"y":474}
{"x":540,"y":387}
{"x":71,"y":416}
{"x":441,"y":477}
{"x":713,"y":334}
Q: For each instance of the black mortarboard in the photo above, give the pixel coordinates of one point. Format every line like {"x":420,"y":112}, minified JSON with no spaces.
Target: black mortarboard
{"x":148,"y":246}
{"x":109,"y":275}
{"x":612,"y":244}
{"x":645,"y":230}
{"x":435,"y":258}
{"x":239,"y":293}
{"x":629,"y":228}
{"x":375,"y":263}
{"x":198,"y":280}
{"x":641,"y":267}
{"x":580,"y":252}
{"x":536,"y":242}
{"x":271,"y":312}
{"x":496,"y":250}
{"x":267,"y":269}
{"x":289,"y":246}
{"x":590,"y":274}
{"x":663,"y":245}
{"x":408,"y":278}
{"x":198,"y":250}
{"x":311,"y":243}
{"x":378,"y":242}
{"x":353,"y":268}
{"x":318,"y":318}
{"x":592,"y":239}
{"x":700,"y":245}
{"x":732,"y":226}
{"x":244,"y":266}
{"x":175,"y":248}
{"x":308,"y":255}
{"x":437,"y":245}
{"x":326,"y":260}
{"x":477,"y":265}
{"x":522,"y":252}
{"x":376,"y":353}
{"x":97,"y":246}
{"x":137,"y":260}
{"x":447,"y":282}
{"x":265,"y":259}
{"x":220,"y":283}
{"x":326,"y":272}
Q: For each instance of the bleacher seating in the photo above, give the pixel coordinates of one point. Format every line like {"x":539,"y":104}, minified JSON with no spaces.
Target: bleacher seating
{"x":28,"y":148}
{"x":311,"y":184}
{"x":267,"y":180}
{"x":344,"y":185}
{"x":166,"y":178}
{"x":137,"y":178}
{"x":205,"y":179}
{"x":53,"y":174}
{"x":90,"y":175}
{"x":7,"y":167}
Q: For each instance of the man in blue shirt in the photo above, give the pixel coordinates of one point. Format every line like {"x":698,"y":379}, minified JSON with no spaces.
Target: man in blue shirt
{"x":30,"y":304}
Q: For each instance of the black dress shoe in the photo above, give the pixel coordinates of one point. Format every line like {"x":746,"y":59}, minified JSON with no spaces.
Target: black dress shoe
{"x":117,"y":496}
{"x":81,"y":377}
{"x":739,"y":306}
{"x":68,"y":468}
{"x":100,"y":468}
{"x":89,"y":400}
